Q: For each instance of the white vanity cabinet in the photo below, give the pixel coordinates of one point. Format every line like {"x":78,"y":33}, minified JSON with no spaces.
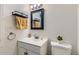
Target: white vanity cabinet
{"x":31,"y":46}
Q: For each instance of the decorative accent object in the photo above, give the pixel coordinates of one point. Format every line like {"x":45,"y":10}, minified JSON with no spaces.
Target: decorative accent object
{"x":59,"y":38}
{"x":11,"y":36}
{"x":37,"y":19}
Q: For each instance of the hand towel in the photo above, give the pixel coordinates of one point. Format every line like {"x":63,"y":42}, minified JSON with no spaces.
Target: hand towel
{"x":21,"y":23}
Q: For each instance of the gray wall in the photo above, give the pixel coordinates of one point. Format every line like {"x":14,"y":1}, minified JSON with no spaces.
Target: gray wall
{"x":60,"y":20}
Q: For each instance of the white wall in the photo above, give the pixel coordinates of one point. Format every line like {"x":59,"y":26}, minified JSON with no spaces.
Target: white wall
{"x":60,"y":19}
{"x":78,"y":26}
{"x":7,"y":25}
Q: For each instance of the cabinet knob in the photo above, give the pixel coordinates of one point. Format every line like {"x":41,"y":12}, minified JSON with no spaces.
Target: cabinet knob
{"x":25,"y":53}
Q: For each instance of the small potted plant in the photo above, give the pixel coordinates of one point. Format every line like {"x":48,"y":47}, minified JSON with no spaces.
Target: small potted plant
{"x":60,"y":38}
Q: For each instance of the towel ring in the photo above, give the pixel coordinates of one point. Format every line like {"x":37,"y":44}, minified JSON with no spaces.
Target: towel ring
{"x":11,"y":36}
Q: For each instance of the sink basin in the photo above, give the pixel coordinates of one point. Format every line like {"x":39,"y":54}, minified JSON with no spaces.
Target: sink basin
{"x":33,"y":41}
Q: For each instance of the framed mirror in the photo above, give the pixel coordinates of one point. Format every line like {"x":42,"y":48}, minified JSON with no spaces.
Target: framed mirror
{"x":37,"y":19}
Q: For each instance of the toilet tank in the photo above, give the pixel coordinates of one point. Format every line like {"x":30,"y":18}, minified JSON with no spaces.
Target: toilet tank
{"x":61,"y":48}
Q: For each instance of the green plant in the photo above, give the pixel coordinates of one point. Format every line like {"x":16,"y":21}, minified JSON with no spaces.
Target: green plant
{"x":59,"y":38}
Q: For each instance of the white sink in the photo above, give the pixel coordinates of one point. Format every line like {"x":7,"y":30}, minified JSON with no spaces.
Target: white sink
{"x":33,"y":41}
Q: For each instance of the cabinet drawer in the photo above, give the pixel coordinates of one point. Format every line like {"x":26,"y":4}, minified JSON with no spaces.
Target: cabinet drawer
{"x":29,"y":47}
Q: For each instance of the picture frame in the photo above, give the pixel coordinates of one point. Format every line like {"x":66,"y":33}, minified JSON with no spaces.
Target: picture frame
{"x":37,"y":19}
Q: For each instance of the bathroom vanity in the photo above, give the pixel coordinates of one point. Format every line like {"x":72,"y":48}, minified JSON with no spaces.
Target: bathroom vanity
{"x":32,"y":46}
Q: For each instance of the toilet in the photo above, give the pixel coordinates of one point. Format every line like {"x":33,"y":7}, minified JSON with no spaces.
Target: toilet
{"x":61,"y":48}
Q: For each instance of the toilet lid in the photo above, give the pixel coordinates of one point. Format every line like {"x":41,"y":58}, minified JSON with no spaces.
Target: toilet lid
{"x":62,"y":45}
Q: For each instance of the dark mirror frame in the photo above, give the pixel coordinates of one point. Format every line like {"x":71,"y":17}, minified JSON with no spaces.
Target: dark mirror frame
{"x":42,"y":19}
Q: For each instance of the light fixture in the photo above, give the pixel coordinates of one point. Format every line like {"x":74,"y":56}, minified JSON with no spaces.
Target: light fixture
{"x":35,"y":6}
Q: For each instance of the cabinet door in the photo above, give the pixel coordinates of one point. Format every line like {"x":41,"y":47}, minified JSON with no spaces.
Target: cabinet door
{"x":29,"y":47}
{"x":23,"y":51}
